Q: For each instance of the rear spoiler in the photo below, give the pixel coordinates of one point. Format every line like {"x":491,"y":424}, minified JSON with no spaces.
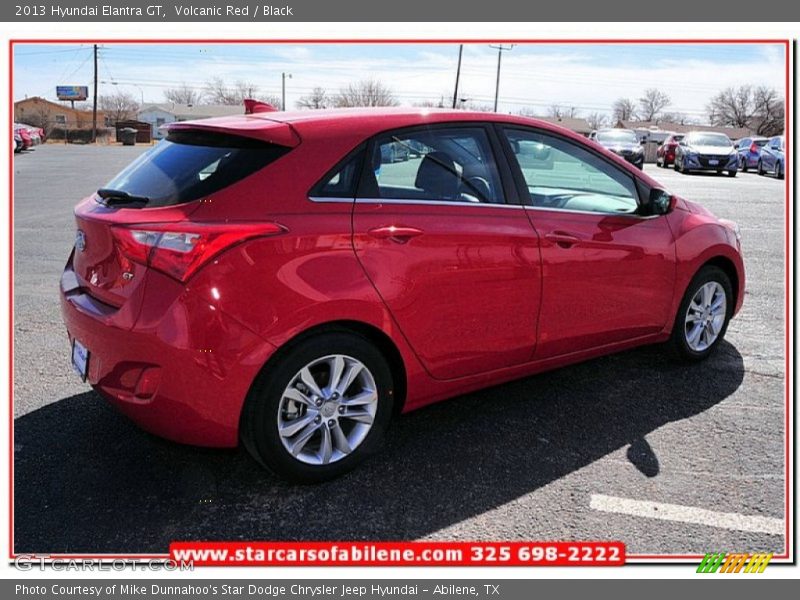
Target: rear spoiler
{"x":255,"y":106}
{"x":253,"y":124}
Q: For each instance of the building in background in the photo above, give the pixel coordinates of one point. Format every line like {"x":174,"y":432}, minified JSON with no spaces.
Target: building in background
{"x":48,"y":115}
{"x":575,"y":124}
{"x":161,"y":114}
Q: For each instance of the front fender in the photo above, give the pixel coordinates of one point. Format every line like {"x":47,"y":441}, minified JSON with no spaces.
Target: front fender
{"x":700,"y":238}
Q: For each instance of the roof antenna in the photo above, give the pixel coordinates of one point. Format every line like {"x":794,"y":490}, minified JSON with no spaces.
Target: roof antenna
{"x":252,"y":106}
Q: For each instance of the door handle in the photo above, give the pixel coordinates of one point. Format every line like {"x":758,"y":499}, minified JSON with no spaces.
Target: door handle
{"x":398,"y":234}
{"x":562,"y":239}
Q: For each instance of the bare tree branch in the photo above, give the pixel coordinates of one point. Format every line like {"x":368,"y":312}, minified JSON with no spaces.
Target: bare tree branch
{"x":183,"y":94}
{"x":118,"y":106}
{"x":759,"y":109}
{"x":368,"y":92}
{"x":597,"y":120}
{"x":318,"y":98}
{"x":652,"y":104}
{"x":623,"y":109}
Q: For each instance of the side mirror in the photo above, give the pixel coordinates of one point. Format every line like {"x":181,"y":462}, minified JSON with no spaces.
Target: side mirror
{"x":660,"y":202}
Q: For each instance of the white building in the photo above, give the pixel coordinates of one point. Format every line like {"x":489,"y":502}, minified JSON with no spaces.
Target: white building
{"x":169,"y":112}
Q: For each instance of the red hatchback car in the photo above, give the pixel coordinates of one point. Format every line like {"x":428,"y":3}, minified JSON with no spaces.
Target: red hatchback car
{"x":273,"y":278}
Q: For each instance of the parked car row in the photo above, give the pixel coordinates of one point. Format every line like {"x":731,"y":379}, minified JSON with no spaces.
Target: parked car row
{"x":25,"y":137}
{"x":715,"y":152}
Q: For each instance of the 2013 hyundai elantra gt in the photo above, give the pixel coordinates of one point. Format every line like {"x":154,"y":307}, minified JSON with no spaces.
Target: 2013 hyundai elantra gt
{"x":272,"y":278}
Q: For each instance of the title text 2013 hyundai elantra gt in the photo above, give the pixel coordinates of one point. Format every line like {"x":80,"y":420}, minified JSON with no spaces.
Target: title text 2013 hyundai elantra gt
{"x":273,"y":278}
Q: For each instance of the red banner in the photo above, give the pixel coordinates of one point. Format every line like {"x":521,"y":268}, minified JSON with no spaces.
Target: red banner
{"x":388,"y":554}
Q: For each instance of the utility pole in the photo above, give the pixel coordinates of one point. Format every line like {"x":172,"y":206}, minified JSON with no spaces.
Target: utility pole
{"x":94,"y":104}
{"x":284,"y":76}
{"x":500,"y":49}
{"x":458,"y":74}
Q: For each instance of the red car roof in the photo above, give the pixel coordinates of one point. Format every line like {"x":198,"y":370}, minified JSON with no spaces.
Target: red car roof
{"x":291,"y":127}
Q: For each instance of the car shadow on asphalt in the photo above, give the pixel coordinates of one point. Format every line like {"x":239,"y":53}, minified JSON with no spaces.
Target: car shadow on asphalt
{"x":88,"y":481}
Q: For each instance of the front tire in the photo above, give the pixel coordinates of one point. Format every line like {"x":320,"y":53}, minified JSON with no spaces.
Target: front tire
{"x":760,"y":167}
{"x":778,"y":171}
{"x":319,"y":409}
{"x":731,"y":173}
{"x":703,"y":315}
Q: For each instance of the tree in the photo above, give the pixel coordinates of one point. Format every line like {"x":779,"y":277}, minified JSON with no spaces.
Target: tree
{"x":759,"y":109}
{"x":218,"y":91}
{"x":769,"y":112}
{"x":270,"y":99}
{"x":677,"y":117}
{"x":40,"y":117}
{"x":183,"y":94}
{"x":318,"y":98}
{"x":118,"y":106}
{"x":367,"y":92}
{"x":652,"y":104}
{"x":556,"y":111}
{"x":623,"y":109}
{"x":597,"y":120}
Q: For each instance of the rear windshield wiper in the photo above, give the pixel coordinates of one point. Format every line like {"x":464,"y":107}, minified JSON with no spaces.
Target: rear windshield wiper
{"x":113,"y":197}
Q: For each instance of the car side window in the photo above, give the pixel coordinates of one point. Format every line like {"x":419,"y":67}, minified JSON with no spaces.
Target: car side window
{"x":561,"y":175}
{"x":451,"y":164}
{"x":344,"y":180}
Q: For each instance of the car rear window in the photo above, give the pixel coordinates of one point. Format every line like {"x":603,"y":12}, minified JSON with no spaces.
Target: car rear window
{"x":189,"y":165}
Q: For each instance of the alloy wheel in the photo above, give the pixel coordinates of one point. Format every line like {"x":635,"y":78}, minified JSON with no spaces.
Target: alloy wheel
{"x":705,"y":316}
{"x":327,"y":409}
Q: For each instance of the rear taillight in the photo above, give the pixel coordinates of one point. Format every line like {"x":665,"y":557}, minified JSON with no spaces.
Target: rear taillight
{"x":754,"y":148}
{"x":179,"y":249}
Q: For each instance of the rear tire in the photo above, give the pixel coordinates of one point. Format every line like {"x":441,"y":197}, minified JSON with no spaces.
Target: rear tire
{"x":295,"y":407}
{"x":744,"y":166}
{"x":703,"y":315}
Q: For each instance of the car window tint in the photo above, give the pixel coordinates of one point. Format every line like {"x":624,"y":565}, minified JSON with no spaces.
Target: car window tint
{"x":190,"y":165}
{"x":343,"y":182}
{"x":442,"y":164}
{"x":561,"y":175}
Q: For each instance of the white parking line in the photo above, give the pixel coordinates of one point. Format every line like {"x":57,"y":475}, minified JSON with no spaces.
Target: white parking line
{"x":686,"y":514}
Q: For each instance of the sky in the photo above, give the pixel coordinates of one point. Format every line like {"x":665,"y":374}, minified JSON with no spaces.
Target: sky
{"x":533,"y":77}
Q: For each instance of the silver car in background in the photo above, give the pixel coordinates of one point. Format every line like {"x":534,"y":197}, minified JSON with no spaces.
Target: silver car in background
{"x":706,"y":151}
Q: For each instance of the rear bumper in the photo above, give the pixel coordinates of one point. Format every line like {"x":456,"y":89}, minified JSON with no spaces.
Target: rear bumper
{"x":182,"y":371}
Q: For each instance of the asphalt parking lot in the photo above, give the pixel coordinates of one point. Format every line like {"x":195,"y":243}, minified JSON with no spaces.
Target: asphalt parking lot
{"x":572,"y":454}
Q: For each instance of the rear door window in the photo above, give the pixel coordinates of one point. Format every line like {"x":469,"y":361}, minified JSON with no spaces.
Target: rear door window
{"x":190,"y":165}
{"x":445,"y":164}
